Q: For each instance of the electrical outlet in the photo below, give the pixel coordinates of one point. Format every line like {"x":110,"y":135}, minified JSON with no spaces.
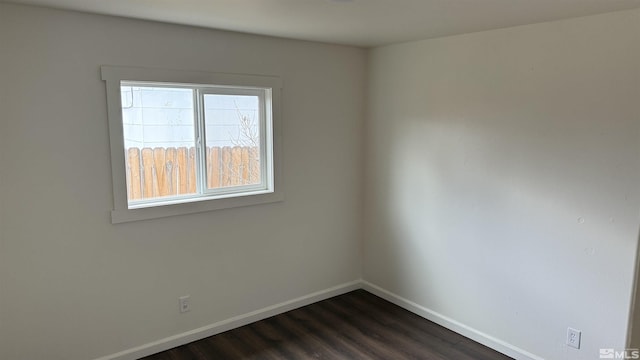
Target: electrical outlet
{"x":573,"y":338}
{"x":185,"y":303}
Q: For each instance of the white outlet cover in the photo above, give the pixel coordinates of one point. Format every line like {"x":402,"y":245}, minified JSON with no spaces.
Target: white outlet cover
{"x":184,"y":303}
{"x":573,"y":338}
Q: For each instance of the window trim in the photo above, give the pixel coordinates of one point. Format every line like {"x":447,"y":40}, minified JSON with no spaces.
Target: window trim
{"x":114,"y":75}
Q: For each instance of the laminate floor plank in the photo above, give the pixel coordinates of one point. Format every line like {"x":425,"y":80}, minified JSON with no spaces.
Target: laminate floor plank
{"x":404,"y":331}
{"x":357,"y":325}
{"x":400,"y":315}
{"x":333,"y":341}
{"x":370,"y":342}
{"x":412,"y":343}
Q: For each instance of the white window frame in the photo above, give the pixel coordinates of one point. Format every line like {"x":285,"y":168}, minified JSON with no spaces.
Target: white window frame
{"x":270,"y":190}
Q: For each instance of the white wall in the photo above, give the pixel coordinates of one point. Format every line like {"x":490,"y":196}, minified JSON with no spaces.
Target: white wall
{"x":501,"y":184}
{"x":502,"y":179}
{"x":73,"y":286}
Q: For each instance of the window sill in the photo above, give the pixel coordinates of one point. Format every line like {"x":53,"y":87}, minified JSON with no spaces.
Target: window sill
{"x":192,"y":207}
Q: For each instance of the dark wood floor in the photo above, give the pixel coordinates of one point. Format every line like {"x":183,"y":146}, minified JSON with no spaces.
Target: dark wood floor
{"x":357,"y":325}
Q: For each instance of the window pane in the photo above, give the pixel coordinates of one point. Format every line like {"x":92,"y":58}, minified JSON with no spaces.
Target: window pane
{"x":159,"y":141}
{"x":232,"y":125}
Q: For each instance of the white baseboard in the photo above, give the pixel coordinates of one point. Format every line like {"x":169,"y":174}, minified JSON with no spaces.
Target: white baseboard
{"x":232,"y":323}
{"x":453,"y":325}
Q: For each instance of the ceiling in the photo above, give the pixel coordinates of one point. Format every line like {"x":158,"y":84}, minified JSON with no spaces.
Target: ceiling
{"x":351,"y":22}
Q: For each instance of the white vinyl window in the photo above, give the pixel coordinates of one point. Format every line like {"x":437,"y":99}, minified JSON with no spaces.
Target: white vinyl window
{"x":184,"y":142}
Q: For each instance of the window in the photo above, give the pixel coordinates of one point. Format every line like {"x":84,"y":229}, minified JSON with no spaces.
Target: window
{"x":184,"y":142}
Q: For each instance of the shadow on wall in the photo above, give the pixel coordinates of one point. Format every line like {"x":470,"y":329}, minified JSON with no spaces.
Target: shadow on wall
{"x":479,"y":211}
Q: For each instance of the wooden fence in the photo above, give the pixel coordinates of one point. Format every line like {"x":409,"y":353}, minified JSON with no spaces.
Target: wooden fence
{"x":172,"y":171}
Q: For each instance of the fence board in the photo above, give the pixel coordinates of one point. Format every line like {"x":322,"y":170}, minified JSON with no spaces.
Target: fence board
{"x":161,"y":171}
{"x":147,"y":168}
{"x":225,"y":166}
{"x":214,"y":165}
{"x":245,"y":165}
{"x":236,"y":166}
{"x":181,"y":167}
{"x":191,"y":166}
{"x":170,"y":164}
{"x":133,"y":165}
{"x":172,"y":171}
{"x":254,"y":165}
